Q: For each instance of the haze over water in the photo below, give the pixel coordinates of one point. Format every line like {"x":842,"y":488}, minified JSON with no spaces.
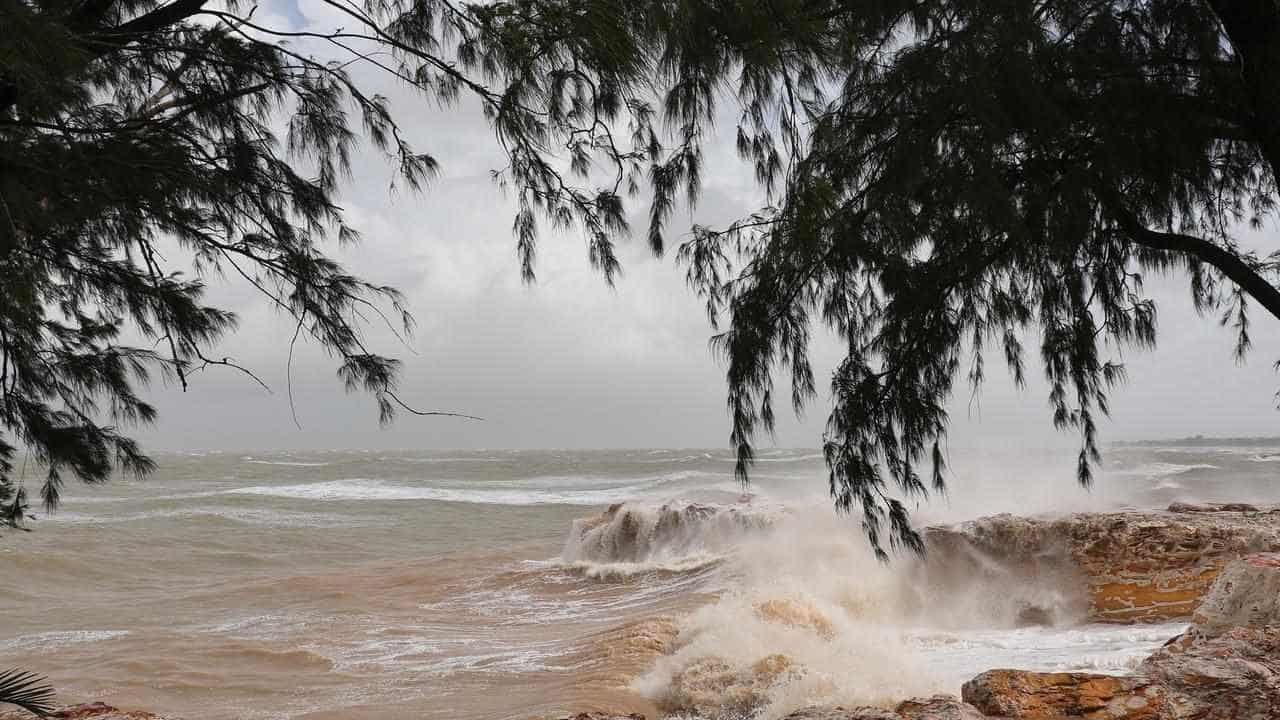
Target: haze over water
{"x":455,"y":584}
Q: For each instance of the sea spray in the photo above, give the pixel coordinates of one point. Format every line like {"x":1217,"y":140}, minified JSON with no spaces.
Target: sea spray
{"x":808,"y":617}
{"x":676,"y":536}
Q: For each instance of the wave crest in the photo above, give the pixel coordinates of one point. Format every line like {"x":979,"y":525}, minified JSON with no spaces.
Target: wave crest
{"x":673,"y":536}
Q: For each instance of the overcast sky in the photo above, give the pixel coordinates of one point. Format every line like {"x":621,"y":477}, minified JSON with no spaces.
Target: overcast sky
{"x":569,"y":362}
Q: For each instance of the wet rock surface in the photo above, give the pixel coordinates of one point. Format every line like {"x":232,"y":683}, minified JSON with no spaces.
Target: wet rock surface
{"x":1246,"y":594}
{"x":1234,"y":675}
{"x":1225,"y":667}
{"x":1048,"y":696}
{"x":938,"y":707}
{"x":87,"y":711}
{"x":1124,"y":567}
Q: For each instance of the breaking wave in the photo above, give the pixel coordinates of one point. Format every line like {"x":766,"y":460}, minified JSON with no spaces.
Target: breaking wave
{"x":556,"y":491}
{"x":1162,"y":469}
{"x":678,"y":536}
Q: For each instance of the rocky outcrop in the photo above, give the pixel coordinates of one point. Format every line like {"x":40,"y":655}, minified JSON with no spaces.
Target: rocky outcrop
{"x":1234,"y":675}
{"x":1225,"y":667}
{"x":796,"y":613}
{"x":1121,"y":567}
{"x":87,"y":711}
{"x":1049,"y":696}
{"x":938,"y":707}
{"x":1181,"y":507}
{"x":712,"y":687}
{"x":1246,"y":594}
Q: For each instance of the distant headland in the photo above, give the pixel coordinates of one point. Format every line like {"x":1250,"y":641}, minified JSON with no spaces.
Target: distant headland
{"x":1201,"y":440}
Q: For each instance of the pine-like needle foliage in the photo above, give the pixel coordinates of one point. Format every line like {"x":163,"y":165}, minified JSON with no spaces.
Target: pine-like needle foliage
{"x":128,"y":127}
{"x":974,"y":176}
{"x":945,"y":179}
{"x":26,"y":690}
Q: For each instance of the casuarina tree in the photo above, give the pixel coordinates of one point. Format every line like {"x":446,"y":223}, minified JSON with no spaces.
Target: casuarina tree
{"x":129,"y":127}
{"x":944,"y":180}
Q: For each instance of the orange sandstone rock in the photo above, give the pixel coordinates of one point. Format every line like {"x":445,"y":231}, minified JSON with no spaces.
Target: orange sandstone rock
{"x":1127,"y":566}
{"x":1050,"y":696}
{"x":796,"y":613}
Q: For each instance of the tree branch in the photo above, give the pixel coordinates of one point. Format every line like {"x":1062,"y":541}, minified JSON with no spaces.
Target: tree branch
{"x":1226,"y":261}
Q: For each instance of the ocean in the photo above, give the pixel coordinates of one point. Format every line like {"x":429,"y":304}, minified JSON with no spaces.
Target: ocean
{"x":495,"y":584}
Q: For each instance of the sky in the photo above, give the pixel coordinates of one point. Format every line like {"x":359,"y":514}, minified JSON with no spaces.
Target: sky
{"x":569,"y":362}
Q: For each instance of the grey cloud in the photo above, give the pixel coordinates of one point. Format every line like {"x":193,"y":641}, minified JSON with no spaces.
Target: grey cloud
{"x":570,"y":362}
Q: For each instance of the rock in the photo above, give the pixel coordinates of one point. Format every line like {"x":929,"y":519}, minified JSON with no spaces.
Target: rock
{"x":1227,"y":665}
{"x":87,"y":711}
{"x":1035,"y":616}
{"x":840,"y":713}
{"x":1231,"y":676}
{"x":796,"y":613}
{"x":1049,"y":696}
{"x":603,"y":716}
{"x":1181,"y":507}
{"x":1122,"y":567}
{"x":1246,"y":593}
{"x":938,"y":707}
{"x":711,"y":686}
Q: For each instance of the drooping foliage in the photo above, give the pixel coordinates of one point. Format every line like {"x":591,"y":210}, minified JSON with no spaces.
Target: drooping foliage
{"x":26,"y":690}
{"x":945,"y":179}
{"x":129,"y":128}
{"x":982,"y":175}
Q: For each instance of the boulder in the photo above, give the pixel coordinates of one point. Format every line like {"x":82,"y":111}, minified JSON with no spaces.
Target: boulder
{"x":1181,"y":507}
{"x":796,"y":613}
{"x":1234,"y":675}
{"x":1123,"y":567}
{"x":841,"y":713}
{"x":713,"y":686}
{"x":1050,"y":696}
{"x":1246,"y":594}
{"x":938,"y":707}
{"x":1227,"y":665}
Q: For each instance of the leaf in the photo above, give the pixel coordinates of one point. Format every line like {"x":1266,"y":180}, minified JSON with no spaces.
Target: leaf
{"x":27,"y":690}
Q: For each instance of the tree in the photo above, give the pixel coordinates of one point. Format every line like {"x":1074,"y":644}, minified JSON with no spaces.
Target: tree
{"x":132,"y":126}
{"x":972,"y":175}
{"x":943,"y":177}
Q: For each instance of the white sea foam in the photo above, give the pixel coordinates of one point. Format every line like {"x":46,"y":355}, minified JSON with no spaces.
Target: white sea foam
{"x":50,"y":640}
{"x":1163,"y":469}
{"x":677,"y":537}
{"x":553,"y":491}
{"x":1083,"y":648}
{"x":288,"y":463}
{"x":248,"y":516}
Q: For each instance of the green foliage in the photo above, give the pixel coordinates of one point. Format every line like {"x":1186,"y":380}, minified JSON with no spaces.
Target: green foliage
{"x":125,"y":124}
{"x":944,"y":178}
{"x":982,"y":175}
{"x":26,"y":690}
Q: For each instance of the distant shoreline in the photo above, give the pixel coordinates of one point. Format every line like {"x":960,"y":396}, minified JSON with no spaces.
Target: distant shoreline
{"x":1201,"y":440}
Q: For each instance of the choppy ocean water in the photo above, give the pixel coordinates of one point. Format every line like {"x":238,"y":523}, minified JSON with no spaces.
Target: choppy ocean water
{"x":486,"y":584}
